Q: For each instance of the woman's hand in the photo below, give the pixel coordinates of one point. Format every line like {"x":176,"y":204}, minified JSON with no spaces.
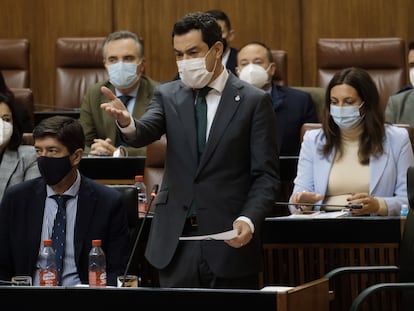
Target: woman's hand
{"x":306,"y":197}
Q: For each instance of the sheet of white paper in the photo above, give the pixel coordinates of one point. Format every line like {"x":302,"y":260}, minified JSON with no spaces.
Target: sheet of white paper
{"x":226,"y":235}
{"x":318,"y":215}
{"x":280,"y":289}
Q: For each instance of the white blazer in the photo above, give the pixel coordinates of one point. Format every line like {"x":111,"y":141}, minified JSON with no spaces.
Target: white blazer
{"x":388,"y":173}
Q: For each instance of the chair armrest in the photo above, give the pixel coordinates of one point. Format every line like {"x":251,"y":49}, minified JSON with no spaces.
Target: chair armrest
{"x":358,"y":301}
{"x":360,"y":269}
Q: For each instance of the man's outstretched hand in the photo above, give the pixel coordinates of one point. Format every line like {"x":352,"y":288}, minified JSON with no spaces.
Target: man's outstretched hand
{"x":115,"y":108}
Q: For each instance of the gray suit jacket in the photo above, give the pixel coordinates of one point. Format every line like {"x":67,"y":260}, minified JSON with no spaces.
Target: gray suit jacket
{"x":400,"y":108}
{"x":97,"y":123}
{"x":17,"y":166}
{"x":237,"y":174}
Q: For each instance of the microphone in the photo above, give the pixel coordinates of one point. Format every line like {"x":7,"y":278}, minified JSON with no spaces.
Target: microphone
{"x":354,"y":206}
{"x":154,"y":192}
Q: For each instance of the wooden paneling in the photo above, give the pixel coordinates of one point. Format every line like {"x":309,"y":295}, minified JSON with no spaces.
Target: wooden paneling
{"x":293,"y":26}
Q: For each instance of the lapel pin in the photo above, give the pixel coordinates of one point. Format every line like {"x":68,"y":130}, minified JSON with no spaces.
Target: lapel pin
{"x":237,"y":98}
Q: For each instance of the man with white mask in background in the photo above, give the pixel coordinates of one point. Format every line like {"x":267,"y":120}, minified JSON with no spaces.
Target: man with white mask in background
{"x":293,"y":107}
{"x":400,"y":106}
{"x":123,"y":56}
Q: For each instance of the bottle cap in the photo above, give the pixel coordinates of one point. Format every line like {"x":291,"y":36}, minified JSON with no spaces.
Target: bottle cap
{"x":96,"y":242}
{"x":139,"y":178}
{"x":47,"y":242}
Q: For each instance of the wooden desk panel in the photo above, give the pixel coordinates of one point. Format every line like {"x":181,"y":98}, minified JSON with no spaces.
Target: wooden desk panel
{"x":297,"y":251}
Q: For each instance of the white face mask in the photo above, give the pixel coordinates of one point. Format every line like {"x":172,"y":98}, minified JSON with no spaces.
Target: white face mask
{"x":412,"y":76}
{"x":6,"y":131}
{"x":194,"y":73}
{"x":123,"y":75}
{"x":255,"y":75}
{"x":346,"y":117}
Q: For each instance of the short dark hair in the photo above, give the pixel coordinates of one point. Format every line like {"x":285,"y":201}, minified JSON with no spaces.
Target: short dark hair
{"x":66,"y":130}
{"x":268,"y":51}
{"x":411,"y":45}
{"x":123,"y":34}
{"x":221,"y":16}
{"x":210,"y":29}
{"x":17,"y":136}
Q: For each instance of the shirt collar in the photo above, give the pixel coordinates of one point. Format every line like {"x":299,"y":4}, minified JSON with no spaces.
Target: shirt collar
{"x":133,"y":93}
{"x":220,"y":82}
{"x":73,"y":190}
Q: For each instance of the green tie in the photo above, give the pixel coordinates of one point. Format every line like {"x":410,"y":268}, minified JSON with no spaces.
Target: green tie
{"x":201,"y":117}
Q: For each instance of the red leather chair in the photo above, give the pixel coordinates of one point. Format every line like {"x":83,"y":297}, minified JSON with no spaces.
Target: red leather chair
{"x":383,"y":58}
{"x":79,"y":63}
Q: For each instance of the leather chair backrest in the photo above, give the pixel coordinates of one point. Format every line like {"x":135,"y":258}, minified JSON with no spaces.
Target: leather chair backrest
{"x":15,"y":62}
{"x":79,"y":64}
{"x":154,"y":164}
{"x":281,"y":74}
{"x":25,"y":107}
{"x":383,"y":58}
{"x":130,"y":202}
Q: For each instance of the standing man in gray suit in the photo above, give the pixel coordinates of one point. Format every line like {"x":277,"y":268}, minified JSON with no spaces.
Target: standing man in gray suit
{"x":231,"y":184}
{"x":123,"y":56}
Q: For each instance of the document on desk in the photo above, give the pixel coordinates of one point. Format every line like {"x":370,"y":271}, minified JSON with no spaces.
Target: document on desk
{"x":318,"y":215}
{"x":226,"y":235}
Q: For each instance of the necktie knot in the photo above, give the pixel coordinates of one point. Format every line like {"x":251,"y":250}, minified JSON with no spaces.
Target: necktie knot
{"x":61,"y":199}
{"x":203,"y":91}
{"x":125,"y":99}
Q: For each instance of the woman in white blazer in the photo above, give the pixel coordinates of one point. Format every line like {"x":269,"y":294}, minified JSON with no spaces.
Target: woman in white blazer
{"x":355,"y":158}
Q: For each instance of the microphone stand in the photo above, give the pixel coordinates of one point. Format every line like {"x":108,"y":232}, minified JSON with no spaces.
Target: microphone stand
{"x":153,"y":195}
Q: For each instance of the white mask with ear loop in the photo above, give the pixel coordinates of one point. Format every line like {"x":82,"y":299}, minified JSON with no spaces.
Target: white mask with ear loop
{"x":6,"y":132}
{"x":193,"y":72}
{"x":255,"y":75}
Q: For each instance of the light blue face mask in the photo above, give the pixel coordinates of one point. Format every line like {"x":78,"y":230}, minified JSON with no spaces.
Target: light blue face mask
{"x":123,"y":75}
{"x":346,"y":117}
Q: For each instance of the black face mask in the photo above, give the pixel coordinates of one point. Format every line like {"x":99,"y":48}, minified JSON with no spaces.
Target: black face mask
{"x":53,"y":170}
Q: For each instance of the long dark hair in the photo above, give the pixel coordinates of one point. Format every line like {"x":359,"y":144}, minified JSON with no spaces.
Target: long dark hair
{"x":373,"y":130}
{"x":17,"y":136}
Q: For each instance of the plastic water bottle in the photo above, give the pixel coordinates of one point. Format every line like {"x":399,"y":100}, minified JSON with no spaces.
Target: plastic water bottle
{"x":142,"y":195}
{"x":404,"y":210}
{"x":48,"y":272}
{"x":97,"y":265}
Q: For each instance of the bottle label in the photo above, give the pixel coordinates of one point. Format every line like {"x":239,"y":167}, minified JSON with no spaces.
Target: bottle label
{"x":142,"y":208}
{"x":48,"y":278}
{"x":97,"y":278}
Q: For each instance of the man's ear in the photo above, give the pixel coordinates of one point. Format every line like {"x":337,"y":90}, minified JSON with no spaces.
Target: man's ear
{"x":272,"y":69}
{"x":77,"y":156}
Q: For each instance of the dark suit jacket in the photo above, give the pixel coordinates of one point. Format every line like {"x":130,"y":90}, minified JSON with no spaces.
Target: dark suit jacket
{"x":97,"y":123}
{"x":231,"y":63}
{"x":293,"y":108}
{"x":237,"y":174}
{"x":100,"y":215}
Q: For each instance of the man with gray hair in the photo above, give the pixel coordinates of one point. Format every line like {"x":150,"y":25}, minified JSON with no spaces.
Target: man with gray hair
{"x":123,"y":57}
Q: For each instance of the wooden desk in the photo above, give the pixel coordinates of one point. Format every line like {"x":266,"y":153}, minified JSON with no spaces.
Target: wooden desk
{"x":300,"y":250}
{"x":313,"y":296}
